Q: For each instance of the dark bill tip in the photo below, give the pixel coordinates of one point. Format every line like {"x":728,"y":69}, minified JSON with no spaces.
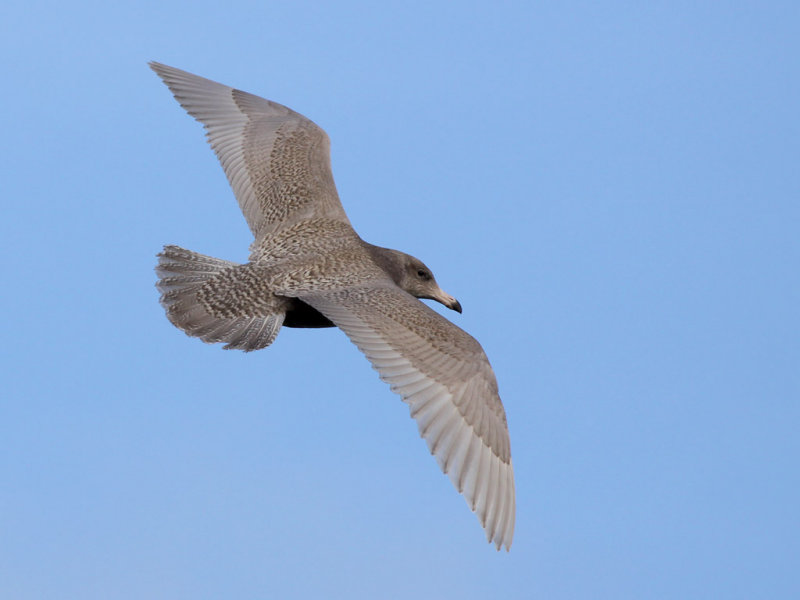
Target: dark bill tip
{"x":455,"y":305}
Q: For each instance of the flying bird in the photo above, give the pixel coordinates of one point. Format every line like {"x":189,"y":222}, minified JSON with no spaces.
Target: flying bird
{"x":309,"y":268}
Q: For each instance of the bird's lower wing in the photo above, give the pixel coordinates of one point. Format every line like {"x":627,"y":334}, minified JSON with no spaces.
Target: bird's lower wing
{"x":442,"y":373}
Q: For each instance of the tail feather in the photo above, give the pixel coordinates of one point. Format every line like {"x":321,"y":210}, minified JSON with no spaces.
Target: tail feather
{"x":258,"y":332}
{"x":181,"y":274}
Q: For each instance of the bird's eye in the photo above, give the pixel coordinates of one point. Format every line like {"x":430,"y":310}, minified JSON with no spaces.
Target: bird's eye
{"x":423,"y":274}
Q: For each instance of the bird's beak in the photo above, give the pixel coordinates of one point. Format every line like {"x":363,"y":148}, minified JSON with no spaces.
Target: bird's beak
{"x":447,"y":300}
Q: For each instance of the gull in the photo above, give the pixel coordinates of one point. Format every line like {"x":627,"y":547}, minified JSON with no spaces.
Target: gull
{"x":309,"y":268}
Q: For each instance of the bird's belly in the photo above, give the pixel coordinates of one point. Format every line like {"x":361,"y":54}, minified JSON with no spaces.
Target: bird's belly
{"x":301,"y":314}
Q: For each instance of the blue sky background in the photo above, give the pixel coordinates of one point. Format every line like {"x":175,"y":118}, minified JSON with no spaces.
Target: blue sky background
{"x":612,"y":190}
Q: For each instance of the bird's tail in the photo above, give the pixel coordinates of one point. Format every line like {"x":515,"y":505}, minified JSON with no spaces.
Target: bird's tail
{"x":184,"y":279}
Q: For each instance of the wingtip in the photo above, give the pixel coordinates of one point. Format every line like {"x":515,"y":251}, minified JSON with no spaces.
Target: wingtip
{"x":500,"y":543}
{"x":500,"y":540}
{"x":159,"y":69}
{"x":166,"y":72}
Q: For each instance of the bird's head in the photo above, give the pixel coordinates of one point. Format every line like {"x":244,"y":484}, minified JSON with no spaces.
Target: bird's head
{"x":413,"y":276}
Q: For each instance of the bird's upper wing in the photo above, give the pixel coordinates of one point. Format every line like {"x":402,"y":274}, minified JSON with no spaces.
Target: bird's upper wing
{"x":277,"y":161}
{"x":442,"y":373}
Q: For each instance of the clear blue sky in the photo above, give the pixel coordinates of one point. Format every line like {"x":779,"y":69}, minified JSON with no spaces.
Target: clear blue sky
{"x":612,"y":191}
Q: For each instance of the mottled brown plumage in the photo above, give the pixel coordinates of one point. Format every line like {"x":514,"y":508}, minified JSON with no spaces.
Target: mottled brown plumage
{"x":309,"y":268}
